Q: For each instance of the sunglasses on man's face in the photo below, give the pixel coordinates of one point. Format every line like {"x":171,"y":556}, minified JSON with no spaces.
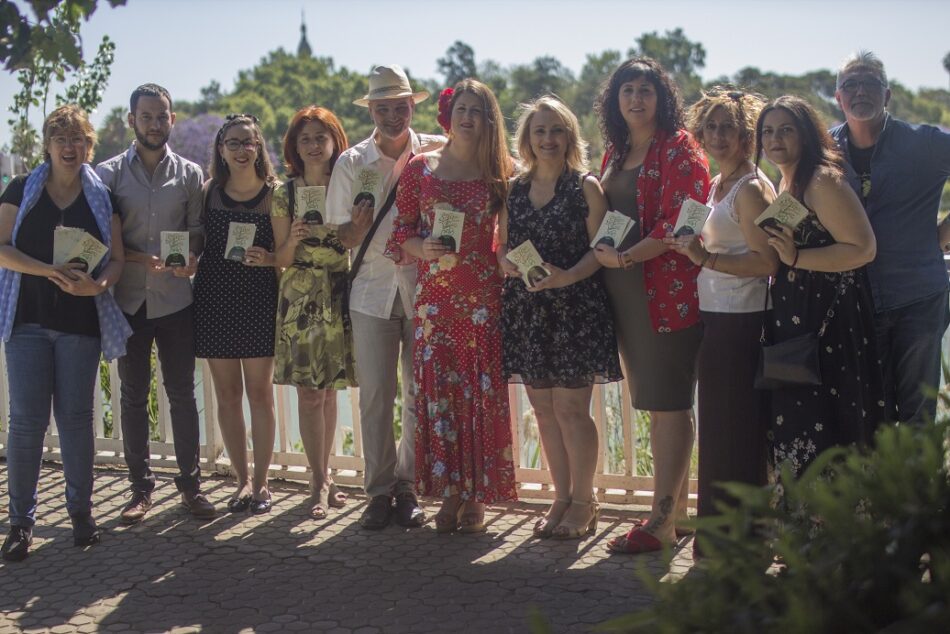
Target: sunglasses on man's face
{"x":868,"y":84}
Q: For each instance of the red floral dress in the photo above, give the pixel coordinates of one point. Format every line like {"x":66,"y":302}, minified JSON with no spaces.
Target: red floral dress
{"x":463,"y":433}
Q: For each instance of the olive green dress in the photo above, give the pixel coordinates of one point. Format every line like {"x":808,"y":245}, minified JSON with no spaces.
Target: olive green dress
{"x":314,"y":339}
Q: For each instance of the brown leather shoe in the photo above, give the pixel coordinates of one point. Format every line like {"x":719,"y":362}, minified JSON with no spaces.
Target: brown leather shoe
{"x":198,"y":504}
{"x":137,"y":508}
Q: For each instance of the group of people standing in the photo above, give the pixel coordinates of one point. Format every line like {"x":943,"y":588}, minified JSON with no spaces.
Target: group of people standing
{"x":863,"y":270}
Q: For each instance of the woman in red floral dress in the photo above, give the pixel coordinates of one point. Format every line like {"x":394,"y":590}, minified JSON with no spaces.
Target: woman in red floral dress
{"x":463,"y":434}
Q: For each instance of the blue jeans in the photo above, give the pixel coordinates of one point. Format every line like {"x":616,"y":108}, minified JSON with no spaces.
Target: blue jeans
{"x":909,"y":341}
{"x":45,"y":365}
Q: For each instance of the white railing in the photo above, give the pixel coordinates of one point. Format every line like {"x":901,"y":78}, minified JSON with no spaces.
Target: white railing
{"x":621,"y":451}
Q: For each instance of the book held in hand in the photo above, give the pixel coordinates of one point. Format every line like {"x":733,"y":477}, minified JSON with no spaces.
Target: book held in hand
{"x":366,"y":186}
{"x":240,"y":239}
{"x":88,"y":252}
{"x":310,"y":203}
{"x":448,"y":225}
{"x":692,"y":217}
{"x":529,"y":263}
{"x":613,"y":229}
{"x":64,"y":239}
{"x":784,"y":210}
{"x":175,"y":248}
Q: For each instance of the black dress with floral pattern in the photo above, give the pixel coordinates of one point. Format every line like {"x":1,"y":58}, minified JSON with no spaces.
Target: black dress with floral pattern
{"x":561,"y":337}
{"x":849,"y":404}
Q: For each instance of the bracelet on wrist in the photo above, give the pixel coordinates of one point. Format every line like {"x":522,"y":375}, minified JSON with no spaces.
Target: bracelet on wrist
{"x":705,"y":259}
{"x":620,"y":264}
{"x":712,"y":263}
{"x":795,"y":261}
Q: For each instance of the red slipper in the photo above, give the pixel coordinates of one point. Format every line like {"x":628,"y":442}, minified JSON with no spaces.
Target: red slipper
{"x":635,"y":542}
{"x":680,"y":532}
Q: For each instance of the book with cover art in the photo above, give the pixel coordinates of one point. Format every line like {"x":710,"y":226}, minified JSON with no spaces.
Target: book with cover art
{"x":366,"y":186}
{"x":448,"y":225}
{"x":785,"y":210}
{"x":240,"y":239}
{"x":692,"y":217}
{"x":311,"y":203}
{"x":88,"y":252}
{"x":64,"y":239}
{"x":613,"y":229}
{"x":529,"y":263}
{"x":175,"y":248}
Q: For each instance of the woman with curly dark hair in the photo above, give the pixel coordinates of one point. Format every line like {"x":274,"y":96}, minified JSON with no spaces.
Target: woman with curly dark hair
{"x":652,"y":166}
{"x":820,"y":288}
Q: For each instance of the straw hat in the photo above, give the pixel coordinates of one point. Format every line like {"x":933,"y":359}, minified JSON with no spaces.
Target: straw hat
{"x":390,"y":82}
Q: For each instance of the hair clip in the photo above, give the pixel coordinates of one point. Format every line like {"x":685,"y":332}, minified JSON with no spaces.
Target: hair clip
{"x":232,"y":117}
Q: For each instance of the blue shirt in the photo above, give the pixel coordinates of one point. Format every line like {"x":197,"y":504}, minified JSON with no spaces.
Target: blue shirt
{"x":909,"y":166}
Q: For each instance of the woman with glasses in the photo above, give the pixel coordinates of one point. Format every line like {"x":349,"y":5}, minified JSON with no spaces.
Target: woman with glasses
{"x":463,"y":436}
{"x":735,"y":261}
{"x":314,"y":349}
{"x":820,"y":285}
{"x":236,"y":301}
{"x":56,"y":317}
{"x":652,"y":166}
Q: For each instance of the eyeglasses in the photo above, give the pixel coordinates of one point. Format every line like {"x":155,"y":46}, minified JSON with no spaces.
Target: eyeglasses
{"x":869,"y":84}
{"x":63,"y":141}
{"x":232,"y":117}
{"x":234,"y":145}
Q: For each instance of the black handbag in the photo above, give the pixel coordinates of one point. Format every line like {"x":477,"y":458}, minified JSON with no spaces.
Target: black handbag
{"x":795,"y":361}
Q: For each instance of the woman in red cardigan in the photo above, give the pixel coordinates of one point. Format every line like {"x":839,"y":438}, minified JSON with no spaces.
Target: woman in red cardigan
{"x":652,"y":166}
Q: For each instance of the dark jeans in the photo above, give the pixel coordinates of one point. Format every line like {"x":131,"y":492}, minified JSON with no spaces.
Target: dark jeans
{"x":909,"y":342}
{"x":174,"y":336}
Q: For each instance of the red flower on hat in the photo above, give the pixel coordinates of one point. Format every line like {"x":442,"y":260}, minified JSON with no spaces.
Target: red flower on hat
{"x":445,"y":109}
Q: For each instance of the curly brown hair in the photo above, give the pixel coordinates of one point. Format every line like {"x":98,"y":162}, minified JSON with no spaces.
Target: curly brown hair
{"x":744,"y":107}
{"x":219,"y":170}
{"x":669,"y":106}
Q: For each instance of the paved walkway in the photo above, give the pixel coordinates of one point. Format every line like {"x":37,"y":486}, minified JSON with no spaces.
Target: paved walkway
{"x":283,"y":572}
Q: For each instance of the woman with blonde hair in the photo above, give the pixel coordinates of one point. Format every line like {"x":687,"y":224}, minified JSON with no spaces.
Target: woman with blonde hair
{"x":236,"y":301}
{"x":557,"y":333}
{"x":736,"y":262}
{"x":463,"y":435}
{"x":56,"y":319}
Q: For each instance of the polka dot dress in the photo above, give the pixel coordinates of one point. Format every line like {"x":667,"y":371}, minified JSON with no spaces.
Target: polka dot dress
{"x":235,"y":304}
{"x":463,"y":434}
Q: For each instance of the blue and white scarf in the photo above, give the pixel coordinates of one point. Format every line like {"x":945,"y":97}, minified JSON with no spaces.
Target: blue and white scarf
{"x":113,"y":327}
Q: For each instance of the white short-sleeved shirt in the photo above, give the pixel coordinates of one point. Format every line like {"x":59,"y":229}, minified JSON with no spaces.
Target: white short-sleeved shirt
{"x":379,"y":278}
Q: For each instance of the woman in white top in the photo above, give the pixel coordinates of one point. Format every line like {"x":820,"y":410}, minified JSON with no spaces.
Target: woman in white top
{"x":736,"y":261}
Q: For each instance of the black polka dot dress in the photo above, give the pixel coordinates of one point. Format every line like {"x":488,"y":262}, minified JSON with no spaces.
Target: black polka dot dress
{"x":235,"y":304}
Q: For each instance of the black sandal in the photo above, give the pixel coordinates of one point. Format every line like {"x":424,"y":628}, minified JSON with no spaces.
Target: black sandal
{"x":239,"y":505}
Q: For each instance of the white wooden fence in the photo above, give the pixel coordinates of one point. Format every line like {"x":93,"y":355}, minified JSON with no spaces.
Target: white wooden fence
{"x":617,"y":479}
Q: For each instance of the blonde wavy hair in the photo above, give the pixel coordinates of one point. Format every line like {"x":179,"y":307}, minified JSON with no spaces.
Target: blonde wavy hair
{"x":577,"y":154}
{"x":67,"y":121}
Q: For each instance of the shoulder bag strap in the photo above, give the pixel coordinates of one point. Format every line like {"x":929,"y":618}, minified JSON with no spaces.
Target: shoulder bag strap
{"x":829,"y":314}
{"x":390,"y":200}
{"x":291,"y":199}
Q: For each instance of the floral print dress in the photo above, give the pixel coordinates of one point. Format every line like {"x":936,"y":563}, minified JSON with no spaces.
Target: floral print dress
{"x":560,"y":337}
{"x":849,"y":404}
{"x":463,"y":434}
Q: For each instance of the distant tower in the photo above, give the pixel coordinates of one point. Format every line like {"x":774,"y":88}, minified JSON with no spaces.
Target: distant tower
{"x":303,"y":49}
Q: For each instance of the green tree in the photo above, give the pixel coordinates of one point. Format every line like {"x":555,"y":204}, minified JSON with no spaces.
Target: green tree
{"x":87,"y":81}
{"x":946,"y":62}
{"x":114,"y":135}
{"x":544,"y":75}
{"x":52,"y":37}
{"x":458,"y":63}
{"x":679,"y":55}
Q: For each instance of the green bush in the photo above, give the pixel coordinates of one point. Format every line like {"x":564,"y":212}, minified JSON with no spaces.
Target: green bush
{"x":864,"y":548}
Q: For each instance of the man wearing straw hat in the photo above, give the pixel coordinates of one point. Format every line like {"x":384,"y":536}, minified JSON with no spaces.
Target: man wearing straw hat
{"x":381,"y":298}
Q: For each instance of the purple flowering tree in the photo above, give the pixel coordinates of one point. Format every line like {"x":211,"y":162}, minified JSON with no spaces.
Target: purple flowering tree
{"x":193,"y":138}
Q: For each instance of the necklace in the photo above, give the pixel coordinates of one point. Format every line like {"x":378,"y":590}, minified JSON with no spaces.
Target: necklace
{"x":722,"y":181}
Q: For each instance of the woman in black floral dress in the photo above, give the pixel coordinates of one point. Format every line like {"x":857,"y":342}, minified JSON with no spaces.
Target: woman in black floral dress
{"x":558,"y":336}
{"x":821,"y":267}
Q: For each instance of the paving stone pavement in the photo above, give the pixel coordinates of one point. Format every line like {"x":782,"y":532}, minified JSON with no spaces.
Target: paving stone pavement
{"x":283,"y":572}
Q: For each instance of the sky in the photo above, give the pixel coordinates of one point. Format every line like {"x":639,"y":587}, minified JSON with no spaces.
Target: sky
{"x":184,"y":44}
